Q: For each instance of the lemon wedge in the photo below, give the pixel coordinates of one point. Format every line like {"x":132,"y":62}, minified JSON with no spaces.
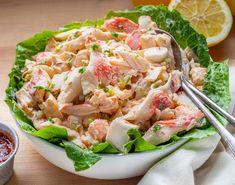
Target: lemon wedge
{"x":212,"y":18}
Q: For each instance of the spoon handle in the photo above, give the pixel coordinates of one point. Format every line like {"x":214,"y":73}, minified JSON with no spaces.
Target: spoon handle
{"x":212,"y":104}
{"x":224,"y":133}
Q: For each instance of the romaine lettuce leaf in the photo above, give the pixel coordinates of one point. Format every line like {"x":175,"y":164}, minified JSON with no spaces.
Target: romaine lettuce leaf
{"x":82,"y":158}
{"x":216,"y":84}
{"x":104,"y":148}
{"x":52,"y":134}
{"x":137,"y":143}
{"x":76,"y":25}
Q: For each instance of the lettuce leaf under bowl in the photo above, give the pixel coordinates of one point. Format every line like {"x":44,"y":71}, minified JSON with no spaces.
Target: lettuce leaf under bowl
{"x":216,"y":84}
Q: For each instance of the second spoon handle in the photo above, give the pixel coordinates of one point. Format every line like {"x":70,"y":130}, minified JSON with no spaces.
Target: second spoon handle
{"x":224,"y":133}
{"x":212,"y":104}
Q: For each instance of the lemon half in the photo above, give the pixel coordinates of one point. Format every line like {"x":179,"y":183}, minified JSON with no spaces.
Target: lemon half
{"x":212,"y":18}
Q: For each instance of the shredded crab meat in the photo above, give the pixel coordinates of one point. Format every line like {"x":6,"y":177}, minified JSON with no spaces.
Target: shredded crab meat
{"x":99,"y":82}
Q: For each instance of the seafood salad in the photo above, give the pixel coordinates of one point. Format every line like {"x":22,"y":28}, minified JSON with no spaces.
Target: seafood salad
{"x":100,"y":82}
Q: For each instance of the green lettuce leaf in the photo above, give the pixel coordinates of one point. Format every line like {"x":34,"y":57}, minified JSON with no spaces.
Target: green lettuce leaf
{"x":83,"y":159}
{"x":76,"y":25}
{"x":137,"y":142}
{"x":216,"y":84}
{"x":20,"y":116}
{"x":52,"y":134}
{"x":104,"y":148}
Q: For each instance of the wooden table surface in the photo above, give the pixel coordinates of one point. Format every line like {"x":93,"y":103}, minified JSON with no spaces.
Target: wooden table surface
{"x":20,"y":20}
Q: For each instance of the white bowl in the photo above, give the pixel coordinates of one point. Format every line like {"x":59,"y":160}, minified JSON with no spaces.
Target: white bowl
{"x":111,"y":166}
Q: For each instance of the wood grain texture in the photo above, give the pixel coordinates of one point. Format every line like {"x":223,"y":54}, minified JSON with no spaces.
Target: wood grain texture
{"x":20,"y":20}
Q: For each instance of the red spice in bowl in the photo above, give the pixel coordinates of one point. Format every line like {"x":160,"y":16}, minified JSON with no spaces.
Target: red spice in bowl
{"x":6,"y":147}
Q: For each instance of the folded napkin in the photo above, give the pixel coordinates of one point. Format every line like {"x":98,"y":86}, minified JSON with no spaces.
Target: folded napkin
{"x":179,"y":167}
{"x":197,"y":162}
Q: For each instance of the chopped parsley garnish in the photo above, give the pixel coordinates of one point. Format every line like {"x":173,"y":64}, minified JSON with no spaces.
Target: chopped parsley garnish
{"x":42,"y":88}
{"x":70,"y":62}
{"x":58,"y":46}
{"x":156,"y":128}
{"x":95,"y":47}
{"x":90,"y":120}
{"x":51,"y":120}
{"x":106,"y":89}
{"x":26,"y":76}
{"x":110,"y":92}
{"x":107,"y":51}
{"x":76,"y":34}
{"x":114,"y":34}
{"x":100,"y":86}
{"x":82,"y":70}
{"x":51,"y":85}
{"x":120,"y":27}
{"x":136,"y":56}
{"x":124,"y":81}
{"x":66,"y":78}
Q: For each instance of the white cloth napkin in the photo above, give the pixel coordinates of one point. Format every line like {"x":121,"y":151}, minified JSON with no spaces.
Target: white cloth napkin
{"x":197,"y":162}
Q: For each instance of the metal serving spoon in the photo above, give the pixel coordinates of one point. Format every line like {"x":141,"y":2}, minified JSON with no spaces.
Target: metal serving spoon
{"x":194,"y":93}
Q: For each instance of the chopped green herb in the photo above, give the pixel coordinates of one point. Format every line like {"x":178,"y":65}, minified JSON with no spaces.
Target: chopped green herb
{"x":100,"y":86}
{"x":82,"y":70}
{"x":107,"y":52}
{"x":114,"y":34}
{"x":26,"y":76}
{"x":51,"y":120}
{"x":120,"y":27}
{"x":76,"y":34}
{"x":70,"y":62}
{"x":88,"y":95}
{"x":159,"y":83}
{"x":106,"y":89}
{"x":42,"y":88}
{"x":66,"y":78}
{"x":90,"y":120}
{"x":110,"y":92}
{"x":136,"y":56}
{"x":58,"y":46}
{"x":95,"y":47}
{"x":156,"y":128}
{"x":51,"y":84}
{"x":124,"y":81}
